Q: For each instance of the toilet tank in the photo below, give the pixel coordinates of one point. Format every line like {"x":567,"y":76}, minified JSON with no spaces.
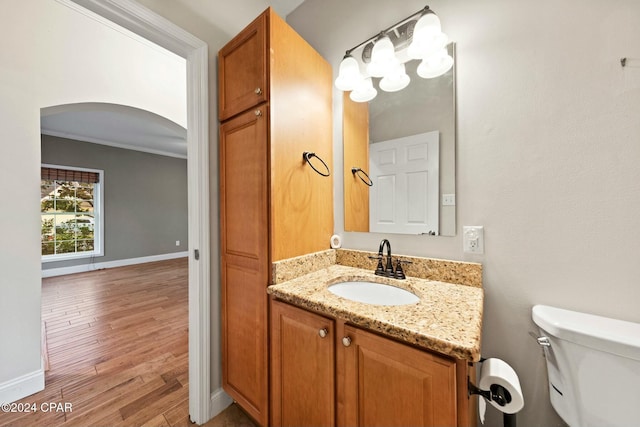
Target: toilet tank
{"x":593,"y":367}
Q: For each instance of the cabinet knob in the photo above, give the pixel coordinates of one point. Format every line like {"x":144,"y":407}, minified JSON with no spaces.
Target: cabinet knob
{"x":258,"y":113}
{"x":346,"y":341}
{"x":258,"y":91}
{"x":323,"y":332}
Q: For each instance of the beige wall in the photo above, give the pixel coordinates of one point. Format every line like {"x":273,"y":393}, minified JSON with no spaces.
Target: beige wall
{"x":548,"y":158}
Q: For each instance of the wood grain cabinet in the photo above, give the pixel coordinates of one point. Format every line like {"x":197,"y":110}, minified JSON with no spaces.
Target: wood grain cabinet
{"x":378,"y":381}
{"x":274,"y":104}
{"x":243,"y":70}
{"x":386,"y":383}
{"x":244,"y":270}
{"x":302,"y":367}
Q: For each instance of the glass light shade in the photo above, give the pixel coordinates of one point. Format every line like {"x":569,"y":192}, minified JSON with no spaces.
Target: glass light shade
{"x":349,"y":74}
{"x":364,"y":92}
{"x":428,"y":22}
{"x":383,"y":57}
{"x":435,"y":65}
{"x":397,"y":79}
{"x":427,"y":37}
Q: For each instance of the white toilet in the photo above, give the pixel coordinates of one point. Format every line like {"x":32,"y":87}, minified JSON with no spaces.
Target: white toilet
{"x":593,"y":367}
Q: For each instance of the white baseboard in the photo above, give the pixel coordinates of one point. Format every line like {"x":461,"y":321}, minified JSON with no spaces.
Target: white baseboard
{"x":21,"y":387}
{"x":219,"y":402}
{"x":83,"y":268}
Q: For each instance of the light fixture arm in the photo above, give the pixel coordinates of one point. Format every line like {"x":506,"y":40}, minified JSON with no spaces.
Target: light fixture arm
{"x":382,"y":33}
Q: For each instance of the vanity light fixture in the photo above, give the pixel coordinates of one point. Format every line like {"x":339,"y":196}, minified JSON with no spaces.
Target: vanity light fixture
{"x":417,"y":37}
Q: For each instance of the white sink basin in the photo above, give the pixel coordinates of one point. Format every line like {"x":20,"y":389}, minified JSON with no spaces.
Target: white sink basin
{"x":373,"y":293}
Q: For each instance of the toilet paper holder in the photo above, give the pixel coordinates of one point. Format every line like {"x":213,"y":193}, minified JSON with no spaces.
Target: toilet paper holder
{"x":496,"y":393}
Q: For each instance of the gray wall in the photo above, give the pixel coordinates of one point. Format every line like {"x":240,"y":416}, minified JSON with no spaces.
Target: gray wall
{"x":145,"y":198}
{"x":548,"y":154}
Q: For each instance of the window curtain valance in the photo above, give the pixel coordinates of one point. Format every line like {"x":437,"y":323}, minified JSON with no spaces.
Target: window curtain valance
{"x":51,"y":174}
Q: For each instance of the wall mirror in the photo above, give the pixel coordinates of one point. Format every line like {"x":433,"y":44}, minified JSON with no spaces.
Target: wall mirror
{"x":403,"y":144}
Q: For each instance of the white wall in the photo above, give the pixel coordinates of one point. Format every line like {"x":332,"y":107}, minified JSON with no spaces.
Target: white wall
{"x":52,"y":55}
{"x":548,"y":158}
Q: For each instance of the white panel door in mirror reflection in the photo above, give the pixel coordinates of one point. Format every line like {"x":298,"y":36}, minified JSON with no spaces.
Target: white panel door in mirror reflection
{"x":405,"y":192}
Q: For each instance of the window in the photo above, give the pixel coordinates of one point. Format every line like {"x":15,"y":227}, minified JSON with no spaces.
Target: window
{"x":70,"y":212}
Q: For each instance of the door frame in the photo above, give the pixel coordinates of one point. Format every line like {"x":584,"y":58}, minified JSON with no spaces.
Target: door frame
{"x":140,"y":20}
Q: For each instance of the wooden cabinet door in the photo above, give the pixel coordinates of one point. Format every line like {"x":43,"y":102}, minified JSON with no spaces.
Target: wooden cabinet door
{"x":302,"y":367}
{"x":391,"y":384}
{"x":301,"y":87}
{"x":242,"y":70}
{"x":245,"y":260}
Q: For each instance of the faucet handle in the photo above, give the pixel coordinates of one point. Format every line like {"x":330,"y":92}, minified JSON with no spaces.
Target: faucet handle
{"x":379,"y":269}
{"x":399,"y":271}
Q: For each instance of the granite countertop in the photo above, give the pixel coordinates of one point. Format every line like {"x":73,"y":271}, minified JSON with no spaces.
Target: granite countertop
{"x":447,"y":319}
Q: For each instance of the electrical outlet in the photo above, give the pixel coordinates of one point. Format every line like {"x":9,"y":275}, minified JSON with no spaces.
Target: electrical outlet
{"x":448,"y":200}
{"x":177,"y":242}
{"x":473,"y":239}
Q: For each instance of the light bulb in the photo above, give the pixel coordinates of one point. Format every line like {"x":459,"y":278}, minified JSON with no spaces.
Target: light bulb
{"x":364,"y":92}
{"x":435,"y":65}
{"x":397,"y":79}
{"x":349,"y":74}
{"x":383,"y":57}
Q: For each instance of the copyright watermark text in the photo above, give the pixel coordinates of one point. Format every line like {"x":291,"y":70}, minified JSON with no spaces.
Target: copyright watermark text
{"x":36,"y":407}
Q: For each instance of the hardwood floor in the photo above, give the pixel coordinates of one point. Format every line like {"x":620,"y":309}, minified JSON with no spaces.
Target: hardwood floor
{"x":231,"y":417}
{"x":117,"y":350}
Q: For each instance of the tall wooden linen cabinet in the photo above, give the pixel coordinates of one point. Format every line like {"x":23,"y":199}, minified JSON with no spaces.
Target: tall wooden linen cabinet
{"x":274,"y":104}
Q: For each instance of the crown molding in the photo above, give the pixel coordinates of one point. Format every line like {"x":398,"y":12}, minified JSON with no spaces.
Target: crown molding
{"x":81,"y":138}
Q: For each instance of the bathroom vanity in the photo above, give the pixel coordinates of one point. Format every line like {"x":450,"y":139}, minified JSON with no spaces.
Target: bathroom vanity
{"x":294,"y":353}
{"x":335,"y":361}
